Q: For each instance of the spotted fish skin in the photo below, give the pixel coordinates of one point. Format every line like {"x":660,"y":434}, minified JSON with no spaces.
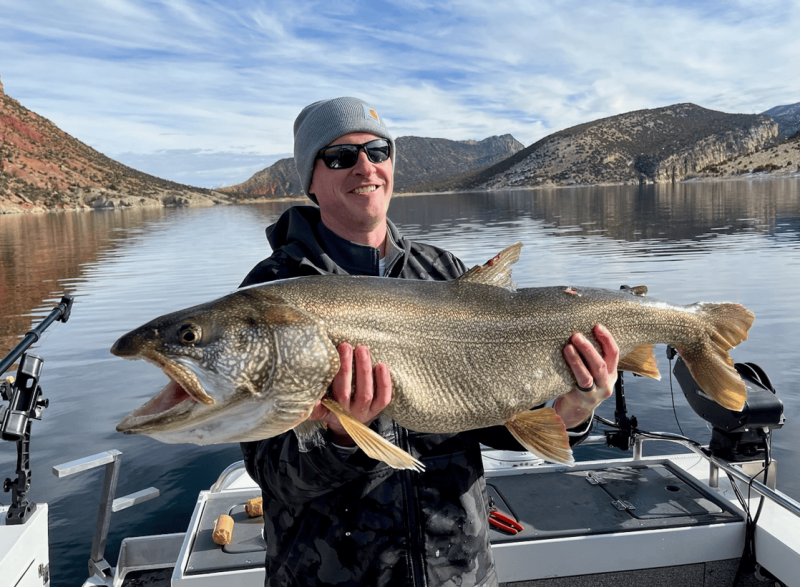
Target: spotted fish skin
{"x":464,"y":354}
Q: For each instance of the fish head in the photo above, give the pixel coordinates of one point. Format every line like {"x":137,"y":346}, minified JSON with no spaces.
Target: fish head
{"x":245,"y":367}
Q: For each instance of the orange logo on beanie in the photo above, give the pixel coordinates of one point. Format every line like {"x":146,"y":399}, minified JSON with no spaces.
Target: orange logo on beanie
{"x":370,"y":113}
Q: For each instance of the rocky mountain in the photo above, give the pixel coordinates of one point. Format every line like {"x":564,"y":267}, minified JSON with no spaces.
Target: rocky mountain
{"x":646,"y":146}
{"x":787,"y":117}
{"x":279,"y":180}
{"x":778,"y":159}
{"x":42,"y":168}
{"x":423,"y":161}
{"x":420,"y":162}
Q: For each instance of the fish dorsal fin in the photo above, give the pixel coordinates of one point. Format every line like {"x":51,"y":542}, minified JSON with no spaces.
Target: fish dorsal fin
{"x":637,"y":290}
{"x":497,"y":270}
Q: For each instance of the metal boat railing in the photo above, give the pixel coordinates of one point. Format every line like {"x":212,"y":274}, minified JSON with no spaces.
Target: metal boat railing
{"x":111,"y":459}
{"x":231,"y":473}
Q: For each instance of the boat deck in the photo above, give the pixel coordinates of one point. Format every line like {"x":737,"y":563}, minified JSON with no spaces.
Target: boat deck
{"x":618,"y":522}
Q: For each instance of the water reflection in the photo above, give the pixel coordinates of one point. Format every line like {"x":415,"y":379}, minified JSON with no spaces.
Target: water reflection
{"x":41,"y":254}
{"x":733,"y":240}
{"x":680,"y":212}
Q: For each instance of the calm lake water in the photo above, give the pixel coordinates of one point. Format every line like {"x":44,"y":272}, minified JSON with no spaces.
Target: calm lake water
{"x":737,"y":241}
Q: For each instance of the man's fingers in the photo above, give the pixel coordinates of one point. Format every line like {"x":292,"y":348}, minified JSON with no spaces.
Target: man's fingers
{"x":383,"y":387}
{"x":590,"y":366}
{"x":318,"y":413}
{"x":575,"y":354}
{"x":364,"y":388}
{"x":341,"y":386}
{"x":361,"y":389}
{"x":609,"y":346}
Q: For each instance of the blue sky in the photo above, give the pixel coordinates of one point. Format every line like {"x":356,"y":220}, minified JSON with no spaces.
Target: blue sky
{"x":205,"y":92}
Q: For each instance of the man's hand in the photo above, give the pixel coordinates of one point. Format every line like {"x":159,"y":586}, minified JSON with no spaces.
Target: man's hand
{"x":593,"y":370}
{"x":361,"y":390}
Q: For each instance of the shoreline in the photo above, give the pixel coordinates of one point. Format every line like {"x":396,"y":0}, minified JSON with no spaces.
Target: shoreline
{"x":105,"y":200}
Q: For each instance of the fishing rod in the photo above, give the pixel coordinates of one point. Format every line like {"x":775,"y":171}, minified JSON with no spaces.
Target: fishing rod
{"x":25,"y":403}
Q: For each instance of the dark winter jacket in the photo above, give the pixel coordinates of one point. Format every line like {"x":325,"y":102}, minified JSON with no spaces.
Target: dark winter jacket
{"x":338,"y":517}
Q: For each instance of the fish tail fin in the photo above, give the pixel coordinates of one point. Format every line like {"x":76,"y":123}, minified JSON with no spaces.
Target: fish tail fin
{"x":543,"y":433}
{"x":642,"y":361}
{"x":709,"y":362}
{"x":374,"y":445}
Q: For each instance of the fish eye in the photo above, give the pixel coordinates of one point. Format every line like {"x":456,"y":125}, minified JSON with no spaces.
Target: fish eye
{"x":189,"y":334}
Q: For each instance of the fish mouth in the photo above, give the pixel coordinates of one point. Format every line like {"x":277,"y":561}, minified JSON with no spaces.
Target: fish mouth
{"x":183,"y":376}
{"x":176,"y":398}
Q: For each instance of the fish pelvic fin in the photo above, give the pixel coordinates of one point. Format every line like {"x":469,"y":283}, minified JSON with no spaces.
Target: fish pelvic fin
{"x":497,"y":270}
{"x":374,"y":445}
{"x":708,"y":360}
{"x":642,"y":361}
{"x":544,"y":434}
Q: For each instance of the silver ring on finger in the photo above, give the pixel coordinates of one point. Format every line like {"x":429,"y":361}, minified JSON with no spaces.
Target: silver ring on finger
{"x":586,"y":389}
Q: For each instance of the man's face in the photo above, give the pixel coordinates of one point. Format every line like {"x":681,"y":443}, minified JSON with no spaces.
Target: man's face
{"x":357,"y":198}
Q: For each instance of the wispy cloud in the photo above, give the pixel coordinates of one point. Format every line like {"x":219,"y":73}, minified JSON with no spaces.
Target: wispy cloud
{"x":198,"y":90}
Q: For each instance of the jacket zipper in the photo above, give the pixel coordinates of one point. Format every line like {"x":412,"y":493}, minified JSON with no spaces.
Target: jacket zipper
{"x":415,"y":542}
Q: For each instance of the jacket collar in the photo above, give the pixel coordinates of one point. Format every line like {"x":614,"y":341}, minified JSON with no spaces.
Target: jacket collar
{"x":302,"y":235}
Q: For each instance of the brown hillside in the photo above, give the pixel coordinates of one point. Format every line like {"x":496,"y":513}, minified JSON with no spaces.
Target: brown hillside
{"x":42,"y":167}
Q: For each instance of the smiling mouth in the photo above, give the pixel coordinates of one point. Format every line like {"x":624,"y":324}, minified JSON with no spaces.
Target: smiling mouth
{"x":365,"y":189}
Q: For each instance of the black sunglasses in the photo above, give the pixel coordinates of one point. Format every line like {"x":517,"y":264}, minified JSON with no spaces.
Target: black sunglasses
{"x":345,"y":156}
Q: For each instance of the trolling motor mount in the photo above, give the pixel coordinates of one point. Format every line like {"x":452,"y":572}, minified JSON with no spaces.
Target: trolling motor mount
{"x":25,"y":403}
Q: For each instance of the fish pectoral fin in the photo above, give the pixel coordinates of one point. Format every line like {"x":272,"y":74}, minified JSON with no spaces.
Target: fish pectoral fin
{"x":642,"y":361}
{"x":374,"y":445}
{"x":543,"y":433}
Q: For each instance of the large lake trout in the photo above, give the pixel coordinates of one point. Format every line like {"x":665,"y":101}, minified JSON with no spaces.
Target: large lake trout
{"x":463,"y":354}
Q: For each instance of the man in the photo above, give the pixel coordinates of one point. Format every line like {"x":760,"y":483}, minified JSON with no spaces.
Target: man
{"x":332,"y":515}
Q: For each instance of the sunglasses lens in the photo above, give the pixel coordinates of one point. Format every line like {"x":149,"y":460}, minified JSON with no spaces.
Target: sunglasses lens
{"x":340,"y":156}
{"x":345,"y":156}
{"x":378,"y":150}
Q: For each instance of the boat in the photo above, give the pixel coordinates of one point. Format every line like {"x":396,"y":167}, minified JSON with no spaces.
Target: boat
{"x":709,"y":514}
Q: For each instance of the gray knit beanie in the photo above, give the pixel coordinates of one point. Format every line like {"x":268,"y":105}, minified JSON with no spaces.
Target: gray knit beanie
{"x":321,"y":123}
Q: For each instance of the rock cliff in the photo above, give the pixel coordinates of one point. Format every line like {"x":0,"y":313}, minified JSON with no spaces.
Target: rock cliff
{"x":423,"y":161}
{"x":646,"y":146}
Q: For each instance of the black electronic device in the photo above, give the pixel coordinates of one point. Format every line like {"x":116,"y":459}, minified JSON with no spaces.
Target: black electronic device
{"x":736,"y":436}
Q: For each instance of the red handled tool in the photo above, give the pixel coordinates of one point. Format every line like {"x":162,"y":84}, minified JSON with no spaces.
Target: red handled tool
{"x":502,"y":521}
